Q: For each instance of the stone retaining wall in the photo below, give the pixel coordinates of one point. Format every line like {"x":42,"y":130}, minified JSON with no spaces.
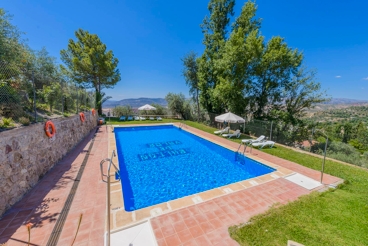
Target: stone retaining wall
{"x":26,"y":154}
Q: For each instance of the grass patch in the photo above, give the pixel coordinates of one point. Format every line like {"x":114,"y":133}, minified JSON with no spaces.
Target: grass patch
{"x":335,"y":217}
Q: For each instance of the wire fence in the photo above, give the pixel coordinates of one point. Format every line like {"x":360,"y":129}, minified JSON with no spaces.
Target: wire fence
{"x":303,"y":137}
{"x":277,"y":131}
{"x":24,"y":99}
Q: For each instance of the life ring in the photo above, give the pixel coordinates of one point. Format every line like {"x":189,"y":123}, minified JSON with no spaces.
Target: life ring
{"x":93,"y":112}
{"x":82,"y":116}
{"x":49,"y":125}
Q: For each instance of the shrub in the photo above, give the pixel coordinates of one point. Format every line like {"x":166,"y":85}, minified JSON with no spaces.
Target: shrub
{"x":119,"y":111}
{"x":24,"y":121}
{"x":6,"y":122}
{"x":339,"y":147}
{"x":347,"y":153}
{"x":42,"y":106}
{"x":84,"y":108}
{"x":352,"y":159}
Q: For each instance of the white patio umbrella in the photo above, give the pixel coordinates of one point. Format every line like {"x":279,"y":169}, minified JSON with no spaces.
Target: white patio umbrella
{"x":229,"y":117}
{"x":146,"y":107}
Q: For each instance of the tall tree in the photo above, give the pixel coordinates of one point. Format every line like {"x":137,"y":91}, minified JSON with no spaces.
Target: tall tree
{"x":42,"y":68}
{"x":241,"y":72}
{"x":214,"y":28}
{"x":190,"y":73}
{"x":177,"y":104}
{"x":239,"y":55}
{"x":119,"y":111}
{"x":302,"y":93}
{"x":51,"y":94}
{"x":278,"y":64}
{"x":90,"y":64}
{"x":13,"y":50}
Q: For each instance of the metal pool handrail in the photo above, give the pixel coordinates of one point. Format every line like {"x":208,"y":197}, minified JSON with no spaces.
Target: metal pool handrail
{"x":182,"y":124}
{"x":108,"y":176}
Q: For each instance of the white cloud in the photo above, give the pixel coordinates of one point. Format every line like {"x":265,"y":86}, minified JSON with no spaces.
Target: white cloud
{"x":338,"y":76}
{"x":365,"y":78}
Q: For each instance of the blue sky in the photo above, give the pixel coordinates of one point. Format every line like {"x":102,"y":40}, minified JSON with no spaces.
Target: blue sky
{"x":150,"y":36}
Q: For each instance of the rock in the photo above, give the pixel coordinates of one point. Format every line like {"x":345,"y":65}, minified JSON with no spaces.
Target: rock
{"x":8,"y":149}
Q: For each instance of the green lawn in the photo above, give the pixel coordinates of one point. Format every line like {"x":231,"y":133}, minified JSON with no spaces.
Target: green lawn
{"x":335,"y":217}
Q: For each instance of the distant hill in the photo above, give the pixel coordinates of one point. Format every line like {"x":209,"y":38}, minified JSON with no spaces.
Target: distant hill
{"x":346,"y":101}
{"x":135,"y":102}
{"x":337,"y":103}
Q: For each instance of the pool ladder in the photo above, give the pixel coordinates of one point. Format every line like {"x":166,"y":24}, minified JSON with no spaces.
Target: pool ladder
{"x":107,"y":179}
{"x":182,"y":124}
{"x":245,"y":147}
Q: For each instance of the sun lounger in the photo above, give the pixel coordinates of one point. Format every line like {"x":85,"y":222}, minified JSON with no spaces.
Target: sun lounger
{"x":234,"y":134}
{"x":151,"y":118}
{"x":122,"y":118}
{"x":260,"y":145}
{"x":226,"y":129}
{"x":130,"y":118}
{"x":142,"y":118}
{"x":136,"y":118}
{"x":250,"y":141}
{"x":159,"y":118}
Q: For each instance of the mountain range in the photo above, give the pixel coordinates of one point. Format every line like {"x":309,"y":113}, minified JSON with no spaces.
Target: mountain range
{"x":335,"y":101}
{"x":137,"y":102}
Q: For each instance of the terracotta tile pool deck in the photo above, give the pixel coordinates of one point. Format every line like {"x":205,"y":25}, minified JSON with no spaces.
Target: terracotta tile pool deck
{"x":43,"y":204}
{"x":200,"y":219}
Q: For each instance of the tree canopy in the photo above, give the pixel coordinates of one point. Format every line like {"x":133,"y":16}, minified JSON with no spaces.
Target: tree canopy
{"x":90,"y":64}
{"x":13,"y":50}
{"x":243,"y":73}
{"x":177,"y":104}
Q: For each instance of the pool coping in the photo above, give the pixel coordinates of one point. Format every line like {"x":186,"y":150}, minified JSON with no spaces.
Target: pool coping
{"x":122,"y":219}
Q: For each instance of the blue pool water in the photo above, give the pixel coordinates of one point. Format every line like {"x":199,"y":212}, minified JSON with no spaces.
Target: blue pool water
{"x":162,"y":163}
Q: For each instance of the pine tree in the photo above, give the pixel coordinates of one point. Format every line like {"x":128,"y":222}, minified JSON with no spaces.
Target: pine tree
{"x":90,"y":64}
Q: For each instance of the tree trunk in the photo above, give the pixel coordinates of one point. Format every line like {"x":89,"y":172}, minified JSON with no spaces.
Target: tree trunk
{"x":198,"y":107}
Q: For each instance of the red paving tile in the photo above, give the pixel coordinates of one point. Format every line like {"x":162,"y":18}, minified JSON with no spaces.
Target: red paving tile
{"x":185,"y":236}
{"x":179,"y":226}
{"x":213,"y":228}
{"x":43,"y":204}
{"x":172,"y":240}
{"x":196,"y":231}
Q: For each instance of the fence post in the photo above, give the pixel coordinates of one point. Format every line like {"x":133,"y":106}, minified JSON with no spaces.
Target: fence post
{"x":77,"y":99}
{"x":324,"y":160}
{"x":62,"y":98}
{"x":271,"y":130}
{"x":34,"y":97}
{"x":311,"y":142}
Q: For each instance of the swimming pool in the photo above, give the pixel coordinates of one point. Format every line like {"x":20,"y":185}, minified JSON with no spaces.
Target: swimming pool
{"x":163,"y":163}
